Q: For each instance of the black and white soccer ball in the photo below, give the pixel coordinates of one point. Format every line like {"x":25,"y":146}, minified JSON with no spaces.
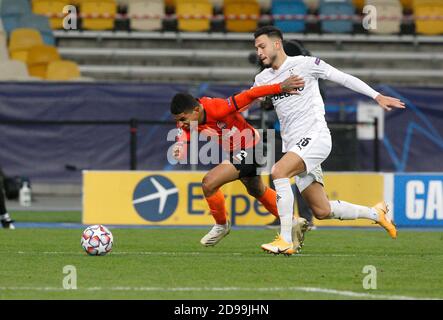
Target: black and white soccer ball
{"x":97,"y":240}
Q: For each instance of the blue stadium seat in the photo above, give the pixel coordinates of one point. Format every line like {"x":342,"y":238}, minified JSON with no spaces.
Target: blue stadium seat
{"x":39,"y":22}
{"x":337,"y":7}
{"x":292,"y":7}
{"x":11,"y":10}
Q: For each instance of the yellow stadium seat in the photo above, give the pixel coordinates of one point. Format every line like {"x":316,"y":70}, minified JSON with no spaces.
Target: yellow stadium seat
{"x":38,"y":59}
{"x":194,"y":7}
{"x":62,"y":70}
{"x":359,"y":4}
{"x":238,"y":8}
{"x":98,"y":7}
{"x":51,"y":7}
{"x":152,"y":7}
{"x":170,"y":3}
{"x":424,"y":9}
{"x":21,"y":40}
{"x":407,"y":4}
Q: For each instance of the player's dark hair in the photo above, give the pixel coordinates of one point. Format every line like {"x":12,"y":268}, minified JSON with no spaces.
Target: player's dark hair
{"x":270,"y":31}
{"x":183,"y":102}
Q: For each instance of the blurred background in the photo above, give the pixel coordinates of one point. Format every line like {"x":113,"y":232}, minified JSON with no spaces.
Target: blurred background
{"x":86,"y":84}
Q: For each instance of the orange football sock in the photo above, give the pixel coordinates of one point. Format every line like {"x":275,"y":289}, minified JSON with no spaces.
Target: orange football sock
{"x":269,"y":201}
{"x":216,"y":204}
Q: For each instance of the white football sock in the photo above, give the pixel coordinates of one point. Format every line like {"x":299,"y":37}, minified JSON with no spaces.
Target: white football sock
{"x":347,"y":211}
{"x":285,"y":207}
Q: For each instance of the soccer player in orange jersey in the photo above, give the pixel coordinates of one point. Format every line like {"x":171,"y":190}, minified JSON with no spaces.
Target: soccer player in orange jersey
{"x":221,"y":118}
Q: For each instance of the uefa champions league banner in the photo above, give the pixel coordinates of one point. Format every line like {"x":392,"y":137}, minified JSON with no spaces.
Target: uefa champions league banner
{"x":176,"y":199}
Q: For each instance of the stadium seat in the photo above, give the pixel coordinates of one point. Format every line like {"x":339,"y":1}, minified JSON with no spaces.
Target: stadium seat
{"x":62,"y":70}
{"x":194,"y":7}
{"x":281,"y":7}
{"x":407,"y":4}
{"x":359,"y":4}
{"x":38,"y":59}
{"x":40,"y":23}
{"x":237,"y":8}
{"x":427,"y":8}
{"x":265,"y":5}
{"x":390,"y":9}
{"x":312,"y":4}
{"x":11,"y":10}
{"x":153,"y":7}
{"x":336,"y":7}
{"x":217,"y":4}
{"x":51,"y":7}
{"x":21,"y":40}
{"x":106,"y":8}
{"x":13,"y":70}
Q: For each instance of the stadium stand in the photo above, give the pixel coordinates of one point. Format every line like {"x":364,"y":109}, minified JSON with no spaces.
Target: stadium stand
{"x":40,"y":23}
{"x":407,"y":4}
{"x":11,"y":11}
{"x":389,"y":17}
{"x":38,"y":59}
{"x":359,"y":4}
{"x":337,"y":7}
{"x":249,"y":8}
{"x":194,"y":15}
{"x":106,"y":8}
{"x":21,"y":41}
{"x":312,"y":4}
{"x":152,"y":8}
{"x":282,"y":7}
{"x":52,"y":8}
{"x":13,"y":70}
{"x":62,"y":70}
{"x":3,"y":48}
{"x":423,"y":10}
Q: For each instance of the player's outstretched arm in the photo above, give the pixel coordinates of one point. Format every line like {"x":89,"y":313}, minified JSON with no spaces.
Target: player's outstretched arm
{"x":358,"y":85}
{"x":290,"y":85}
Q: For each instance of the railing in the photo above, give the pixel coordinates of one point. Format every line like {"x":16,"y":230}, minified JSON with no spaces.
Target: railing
{"x":133,"y":126}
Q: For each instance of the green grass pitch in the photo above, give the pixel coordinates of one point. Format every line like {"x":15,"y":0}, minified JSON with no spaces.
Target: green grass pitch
{"x":171,"y":264}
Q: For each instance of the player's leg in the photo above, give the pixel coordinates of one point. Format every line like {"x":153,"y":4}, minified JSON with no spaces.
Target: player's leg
{"x":212,"y":181}
{"x":268,"y":198}
{"x":322,"y":208}
{"x":265,"y":195}
{"x":288,"y":166}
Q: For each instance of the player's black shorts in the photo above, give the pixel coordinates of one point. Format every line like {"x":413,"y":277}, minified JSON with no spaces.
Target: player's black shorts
{"x":247,"y":161}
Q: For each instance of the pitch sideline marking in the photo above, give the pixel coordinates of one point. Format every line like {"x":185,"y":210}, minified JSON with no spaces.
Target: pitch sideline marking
{"x":218,"y":289}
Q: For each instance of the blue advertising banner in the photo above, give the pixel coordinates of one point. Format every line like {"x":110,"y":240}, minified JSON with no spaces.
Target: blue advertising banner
{"x":418,"y":200}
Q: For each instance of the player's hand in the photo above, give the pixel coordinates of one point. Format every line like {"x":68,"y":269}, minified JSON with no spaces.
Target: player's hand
{"x":291,"y":84}
{"x":388,"y":103}
{"x":177,"y":151}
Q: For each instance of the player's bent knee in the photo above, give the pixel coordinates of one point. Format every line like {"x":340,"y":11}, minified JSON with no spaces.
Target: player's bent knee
{"x":209,"y":186}
{"x":321,"y":213}
{"x":277,"y":173}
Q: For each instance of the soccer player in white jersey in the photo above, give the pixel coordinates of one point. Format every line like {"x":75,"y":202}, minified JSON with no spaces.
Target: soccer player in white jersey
{"x":307,"y":139}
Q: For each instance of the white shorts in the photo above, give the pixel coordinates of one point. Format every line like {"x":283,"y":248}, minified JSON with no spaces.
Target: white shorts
{"x":313,"y":148}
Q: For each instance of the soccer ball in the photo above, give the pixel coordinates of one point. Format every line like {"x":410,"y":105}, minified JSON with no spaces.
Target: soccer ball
{"x":97,"y":240}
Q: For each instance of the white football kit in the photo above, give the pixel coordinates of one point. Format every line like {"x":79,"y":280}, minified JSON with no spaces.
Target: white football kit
{"x":303,"y":126}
